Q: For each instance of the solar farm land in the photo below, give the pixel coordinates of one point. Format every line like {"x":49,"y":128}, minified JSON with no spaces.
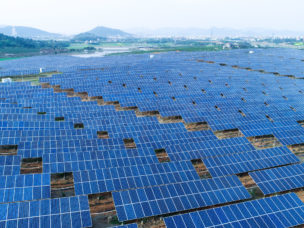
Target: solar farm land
{"x":176,"y":139}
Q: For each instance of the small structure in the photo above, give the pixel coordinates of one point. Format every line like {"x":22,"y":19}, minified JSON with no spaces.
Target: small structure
{"x":7,"y":80}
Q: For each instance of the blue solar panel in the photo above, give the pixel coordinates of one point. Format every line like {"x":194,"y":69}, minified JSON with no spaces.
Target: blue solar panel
{"x":152,"y":201}
{"x":64,"y":212}
{"x":279,"y":179}
{"x":115,"y":179}
{"x":250,"y":161}
{"x":209,"y":148}
{"x":24,"y":187}
{"x":10,"y":165}
{"x":175,"y":102}
{"x":277,"y":211}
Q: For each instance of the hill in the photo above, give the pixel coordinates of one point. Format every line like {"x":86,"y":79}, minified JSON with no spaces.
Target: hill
{"x":87,"y":36}
{"x":29,"y":32}
{"x":12,"y":46}
{"x":108,"y":32}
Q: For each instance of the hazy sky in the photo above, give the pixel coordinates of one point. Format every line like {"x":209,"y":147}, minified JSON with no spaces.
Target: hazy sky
{"x":74,"y":16}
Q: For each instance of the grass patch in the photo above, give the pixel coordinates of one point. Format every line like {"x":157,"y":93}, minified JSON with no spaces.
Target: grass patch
{"x":9,"y":58}
{"x":82,"y":45}
{"x":168,"y":49}
{"x":18,"y":50}
{"x":33,"y":78}
{"x":77,"y":46}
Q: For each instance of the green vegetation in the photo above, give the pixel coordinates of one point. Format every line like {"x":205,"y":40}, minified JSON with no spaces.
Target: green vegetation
{"x":78,"y":46}
{"x":82,"y":37}
{"x":148,"y":45}
{"x":4,"y":59}
{"x":16,"y":46}
{"x":12,"y":47}
{"x":256,"y":193}
{"x":114,"y":221}
{"x":177,"y":49}
{"x":17,"y":42}
{"x":282,"y":42}
{"x":33,"y":78}
{"x":108,"y":32}
{"x":299,"y":44}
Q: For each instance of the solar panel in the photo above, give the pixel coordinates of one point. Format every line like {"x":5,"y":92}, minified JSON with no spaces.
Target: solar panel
{"x":277,"y":211}
{"x":279,"y":179}
{"x":192,"y":105}
{"x":249,"y":161}
{"x":115,"y":179}
{"x":24,"y":187}
{"x":65,"y":212}
{"x":152,"y":201}
{"x":10,"y":165}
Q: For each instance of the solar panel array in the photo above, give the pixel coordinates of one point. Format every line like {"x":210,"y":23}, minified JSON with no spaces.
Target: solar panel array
{"x":24,"y":187}
{"x":279,"y":179}
{"x":152,"y":201}
{"x":253,"y":160}
{"x":134,"y":127}
{"x":278,"y":211}
{"x":130,"y":177}
{"x":64,"y":212}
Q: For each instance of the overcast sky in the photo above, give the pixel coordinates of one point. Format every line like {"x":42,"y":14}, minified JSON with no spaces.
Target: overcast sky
{"x":74,"y":16}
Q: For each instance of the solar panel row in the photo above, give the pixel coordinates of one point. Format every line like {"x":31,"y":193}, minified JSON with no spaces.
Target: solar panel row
{"x":248,"y":161}
{"x":279,"y":179}
{"x":130,"y":177}
{"x":152,"y":201}
{"x":277,"y":211}
{"x":64,"y":212}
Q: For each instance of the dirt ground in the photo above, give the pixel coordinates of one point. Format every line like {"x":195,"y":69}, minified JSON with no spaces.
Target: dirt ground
{"x":31,"y":165}
{"x":162,"y":155}
{"x":247,"y":181}
{"x":199,"y":126}
{"x":201,"y":169}
{"x":62,"y":185}
{"x":225,"y":134}
{"x":8,"y":149}
{"x":264,"y":141}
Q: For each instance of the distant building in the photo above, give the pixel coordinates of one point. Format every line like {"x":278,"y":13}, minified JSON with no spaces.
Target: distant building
{"x":227,"y":46}
{"x":14,"y":32}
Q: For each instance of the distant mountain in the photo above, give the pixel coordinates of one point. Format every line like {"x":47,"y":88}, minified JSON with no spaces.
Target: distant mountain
{"x":86,"y":36}
{"x":28,"y":32}
{"x":212,"y":32}
{"x":108,"y":32}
